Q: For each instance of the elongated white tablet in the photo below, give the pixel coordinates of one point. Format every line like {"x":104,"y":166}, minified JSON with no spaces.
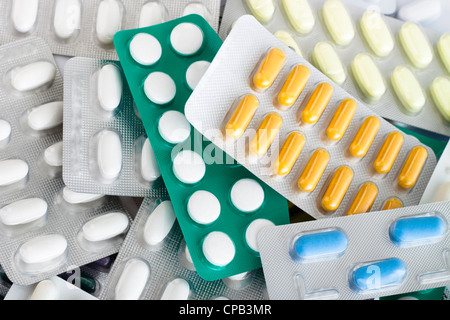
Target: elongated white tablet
{"x":186,"y":38}
{"x":33,"y":76}
{"x":247,"y":195}
{"x":299,"y":14}
{"x":67,"y":18}
{"x":152,"y":13}
{"x":149,"y":166}
{"x":377,"y":33}
{"x":218,"y":248}
{"x":203,"y":207}
{"x":420,"y":11}
{"x":177,"y":289}
{"x":109,"y":154}
{"x":160,"y":88}
{"x":174,"y":127}
{"x":109,"y":87}
{"x":132,"y":281}
{"x":199,"y":9}
{"x":5,"y":130}
{"x":53,"y":155}
{"x":415,"y":44}
{"x":159,"y":223}
{"x":79,"y":198}
{"x":23,"y":211}
{"x":106,"y":226}
{"x":109,"y":21}
{"x":327,"y":60}
{"x":46,"y":116}
{"x":338,"y":22}
{"x":12,"y":171}
{"x":195,"y":73}
{"x":45,"y":290}
{"x":145,"y":49}
{"x":189,"y":167}
{"x":43,"y":249}
{"x":24,"y":14}
{"x":253,"y":229}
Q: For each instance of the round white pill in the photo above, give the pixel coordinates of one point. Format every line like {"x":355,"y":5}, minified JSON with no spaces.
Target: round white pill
{"x":109,"y":87}
{"x":174,"y":127}
{"x":23,"y":211}
{"x":160,"y":88}
{"x":186,"y":38}
{"x":203,"y":207}
{"x":132,"y":281}
{"x":177,"y":289}
{"x":106,"y":226}
{"x":45,"y":290}
{"x":43,"y":249}
{"x":53,"y":155}
{"x":218,"y":248}
{"x":247,"y":195}
{"x":46,"y":116}
{"x":5,"y":130}
{"x":251,"y":234}
{"x":145,"y":49}
{"x":79,"y":198}
{"x":195,"y":73}
{"x":189,"y":167}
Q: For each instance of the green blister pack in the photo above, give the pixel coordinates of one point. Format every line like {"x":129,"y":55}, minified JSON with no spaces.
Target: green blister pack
{"x":219,"y":204}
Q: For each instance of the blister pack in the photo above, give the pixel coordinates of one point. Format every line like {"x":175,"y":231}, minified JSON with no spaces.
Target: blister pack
{"x":404,"y":250}
{"x":303,"y":135}
{"x":5,"y":284}
{"x":215,"y":199}
{"x":155,"y":264}
{"x":399,"y":69}
{"x":85,"y":28}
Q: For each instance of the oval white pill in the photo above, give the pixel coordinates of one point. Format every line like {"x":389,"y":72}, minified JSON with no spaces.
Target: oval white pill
{"x":199,"y":9}
{"x":5,"y":130}
{"x":106,"y":226}
{"x":239,"y":277}
{"x":160,"y":88}
{"x":152,"y":13}
{"x":145,"y":49}
{"x":251,"y":234}
{"x":132,"y":281}
{"x":43,"y":249}
{"x":218,"y":248}
{"x":33,"y":76}
{"x":174,"y":127}
{"x":203,"y":207}
{"x":177,"y":289}
{"x":23,"y":211}
{"x":338,"y":22}
{"x":12,"y":171}
{"x":45,"y":290}
{"x":109,"y":21}
{"x":189,"y":167}
{"x":195,"y":73}
{"x":53,"y":155}
{"x":109,"y":87}
{"x":109,"y":154}
{"x":420,"y":11}
{"x":46,"y":116}
{"x":159,"y":223}
{"x":24,"y":14}
{"x":67,"y":18}
{"x":247,"y":195}
{"x":79,"y":198}
{"x":149,"y":166}
{"x":186,"y":38}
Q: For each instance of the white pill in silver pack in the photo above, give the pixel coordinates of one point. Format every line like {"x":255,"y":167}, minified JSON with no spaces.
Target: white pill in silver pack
{"x":23,"y":211}
{"x":106,"y":226}
{"x":33,"y":76}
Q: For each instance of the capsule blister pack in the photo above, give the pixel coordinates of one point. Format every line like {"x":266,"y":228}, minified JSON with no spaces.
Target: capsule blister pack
{"x":45,"y":225}
{"x":398,"y":68}
{"x":302,"y":134}
{"x":105,"y":148}
{"x":155,"y":264}
{"x":215,"y":199}
{"x":359,"y":257}
{"x":86,"y":27}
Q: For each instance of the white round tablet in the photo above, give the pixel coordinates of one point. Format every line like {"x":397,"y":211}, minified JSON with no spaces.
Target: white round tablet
{"x":195,"y":73}
{"x":186,"y":38}
{"x":189,"y":167}
{"x":160,"y":88}
{"x":174,"y":127}
{"x":203,"y":207}
{"x":251,"y":234}
{"x":218,"y":248}
{"x":145,"y":49}
{"x":247,"y":195}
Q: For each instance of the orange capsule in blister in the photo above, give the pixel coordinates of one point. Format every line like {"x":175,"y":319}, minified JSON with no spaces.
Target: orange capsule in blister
{"x":388,"y":153}
{"x":241,"y":116}
{"x":313,"y":171}
{"x":337,"y":188}
{"x":341,"y":119}
{"x":364,"y":199}
{"x":293,"y":86}
{"x":317,"y":103}
{"x":268,"y":70}
{"x":392,"y":204}
{"x":265,"y":134}
{"x":412,"y":167}
{"x":289,"y":153}
{"x":364,"y":137}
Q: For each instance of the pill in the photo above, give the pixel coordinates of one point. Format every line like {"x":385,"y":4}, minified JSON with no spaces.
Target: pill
{"x":24,"y":14}
{"x":293,"y":87}
{"x":203,"y":207}
{"x":443,"y":193}
{"x":33,"y":76}
{"x":299,"y":14}
{"x":392,"y":204}
{"x":106,"y":226}
{"x":388,"y":153}
{"x":145,"y":49}
{"x":420,"y":11}
{"x":338,"y":22}
{"x":43,"y":249}
{"x":341,"y":119}
{"x":12,"y":171}
{"x":319,"y":246}
{"x":288,"y":40}
{"x":327,"y":60}
{"x":174,"y":127}
{"x":364,"y":199}
{"x":132,"y":280}
{"x":266,"y":134}
{"x":408,"y":89}
{"x":149,"y":166}
{"x":317,"y":103}
{"x":376,"y":33}
{"x":337,"y":188}
{"x":195,"y":73}
{"x":414,"y":231}
{"x":378,"y":275}
{"x":368,"y":76}
{"x":23,"y":211}
{"x":439,"y":90}
{"x":109,"y":87}
{"x":109,"y":154}
{"x":177,"y":289}
{"x":79,"y":198}
{"x":364,"y":137}
{"x":199,"y":9}
{"x":443,"y":48}
{"x":53,"y":155}
{"x":412,"y":167}
{"x":159,"y":223}
{"x":218,"y":248}
{"x":313,"y":171}
{"x":262,"y":10}
{"x":45,"y":290}
{"x":415,"y":44}
{"x":252,"y":231}
{"x":152,"y":13}
{"x":289,"y":153}
{"x":67,"y":18}
{"x":5,"y":130}
{"x":160,"y":88}
{"x":46,"y":116}
{"x":241,"y":116}
{"x":268,"y":70}
{"x":247,"y":195}
{"x":186,"y":39}
{"x":189,"y":167}
{"x":109,"y":21}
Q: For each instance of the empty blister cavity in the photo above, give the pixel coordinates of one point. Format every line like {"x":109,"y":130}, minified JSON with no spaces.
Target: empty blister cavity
{"x":177,"y":289}
{"x":23,"y":213}
{"x":174,"y":127}
{"x":203,"y":207}
{"x":439,"y":90}
{"x":292,"y":87}
{"x":376,"y":33}
{"x":5,"y":132}
{"x":326,"y":59}
{"x":158,"y":224}
{"x":338,"y":22}
{"x":263,"y":10}
{"x":45,"y":290}
{"x":267,"y":70}
{"x":443,"y":48}
{"x":24,"y":15}
{"x":368,"y":77}
{"x":408,"y":89}
{"x":108,"y":21}
{"x":247,"y":195}
{"x":109,"y":88}
{"x":415,"y":45}
{"x":13,"y":171}
{"x":199,"y":9}
{"x":145,"y":49}
{"x":67,"y":19}
{"x":299,"y":14}
{"x":132,"y":280}
{"x":160,"y":88}
{"x":148,"y":166}
{"x":153,"y":12}
{"x":412,"y":167}
{"x":107,"y":150}
{"x":45,"y":118}
{"x":218,"y":248}
{"x":252,"y":231}
{"x":186,"y":39}
{"x":189,"y":167}
{"x":33,"y":76}
{"x":195,"y":73}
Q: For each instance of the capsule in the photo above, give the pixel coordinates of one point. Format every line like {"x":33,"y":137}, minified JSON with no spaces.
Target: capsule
{"x":392,"y":203}
{"x":293,"y":87}
{"x":241,"y":116}
{"x":337,"y":189}
{"x":364,"y":137}
{"x":388,"y":153}
{"x":266,"y":133}
{"x":412,"y":167}
{"x":317,"y":103}
{"x":341,"y":119}
{"x":364,"y":199}
{"x":268,"y":70}
{"x":290,"y":151}
{"x":313,"y":171}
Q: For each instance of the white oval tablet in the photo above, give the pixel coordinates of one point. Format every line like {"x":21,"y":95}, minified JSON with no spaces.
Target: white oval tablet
{"x":174,"y":127}
{"x":199,"y":9}
{"x":145,"y":49}
{"x":5,"y":130}
{"x":247,"y":195}
{"x":203,"y":207}
{"x":149,"y":166}
{"x":239,"y":276}
{"x":152,"y":13}
{"x":46,"y":116}
{"x":33,"y":76}
{"x":106,"y":226}
{"x":45,"y":290}
{"x":132,"y":281}
{"x":109,"y":87}
{"x":177,"y":289}
{"x":186,"y":38}
{"x":195,"y":73}
{"x":24,"y":14}
{"x":23,"y":211}
{"x":79,"y":198}
{"x":189,"y":167}
{"x":159,"y":223}
{"x":109,"y":21}
{"x":251,"y":234}
{"x":218,"y":248}
{"x":53,"y":155}
{"x":67,"y":18}
{"x":109,"y":154}
{"x":12,"y":171}
{"x":43,"y":249}
{"x":160,"y":88}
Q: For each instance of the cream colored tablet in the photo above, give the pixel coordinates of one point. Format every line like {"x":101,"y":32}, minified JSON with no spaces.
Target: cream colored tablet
{"x":415,"y":45}
{"x":408,"y":89}
{"x":262,"y":10}
{"x":288,"y":40}
{"x":338,"y":22}
{"x":299,"y":14}
{"x":368,"y":77}
{"x":443,"y":47}
{"x":440,"y":91}
{"x":376,"y":33}
{"x":327,"y":60}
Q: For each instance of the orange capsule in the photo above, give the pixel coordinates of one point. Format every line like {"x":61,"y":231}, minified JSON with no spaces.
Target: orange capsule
{"x":293,"y":87}
{"x":268,"y":70}
{"x":412,"y":167}
{"x":336,"y":190}
{"x":313,"y":171}
{"x":265,"y":134}
{"x":392,"y":204}
{"x":341,"y":119}
{"x":241,"y":116}
{"x":388,"y":153}
{"x":317,"y":103}
{"x":364,"y":199}
{"x":289,"y":153}
{"x":364,"y":137}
